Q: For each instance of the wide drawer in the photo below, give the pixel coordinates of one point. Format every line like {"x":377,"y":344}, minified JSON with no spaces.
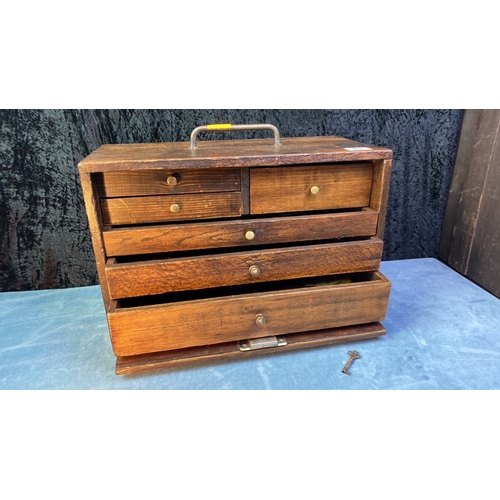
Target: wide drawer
{"x":135,"y":279}
{"x":147,"y":209}
{"x":152,"y":182}
{"x":313,"y":187}
{"x":154,"y":328}
{"x":233,"y":233}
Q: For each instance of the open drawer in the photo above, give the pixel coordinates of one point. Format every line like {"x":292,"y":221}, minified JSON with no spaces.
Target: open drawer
{"x":158,"y":276}
{"x":149,"y":325}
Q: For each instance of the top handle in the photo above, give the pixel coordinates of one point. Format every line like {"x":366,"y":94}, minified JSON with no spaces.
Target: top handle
{"x":228,"y":126}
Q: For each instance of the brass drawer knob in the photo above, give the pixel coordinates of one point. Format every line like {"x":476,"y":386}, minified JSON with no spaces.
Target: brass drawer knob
{"x":174,"y":208}
{"x":260,"y":320}
{"x":254,"y":271}
{"x":173,"y":179}
{"x":315,"y":190}
{"x":249,"y":235}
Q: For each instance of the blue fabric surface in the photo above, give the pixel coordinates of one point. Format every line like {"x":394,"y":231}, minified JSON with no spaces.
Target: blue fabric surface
{"x":442,"y":333}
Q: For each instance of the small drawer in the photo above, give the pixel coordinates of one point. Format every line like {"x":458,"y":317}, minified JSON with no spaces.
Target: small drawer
{"x":305,"y":188}
{"x":147,"y":209}
{"x":152,"y":182}
{"x":160,"y":327}
{"x":135,"y":279}
{"x":238,"y":233}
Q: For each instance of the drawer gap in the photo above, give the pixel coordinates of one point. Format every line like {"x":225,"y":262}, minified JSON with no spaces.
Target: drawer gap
{"x":242,"y":217}
{"x":307,"y":213}
{"x":146,"y":195}
{"x":302,"y":283}
{"x":129,"y":259}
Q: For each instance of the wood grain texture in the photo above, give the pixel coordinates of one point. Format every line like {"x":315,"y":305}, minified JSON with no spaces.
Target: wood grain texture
{"x":466,"y":188}
{"x":230,"y":350}
{"x":247,"y":153}
{"x":143,"y":330}
{"x":277,"y":190}
{"x":96,"y":227}
{"x":380,"y":192}
{"x":471,"y":233}
{"x":209,"y":235}
{"x":147,"y":209}
{"x":152,"y":182}
{"x":192,"y":273}
{"x":484,"y":262}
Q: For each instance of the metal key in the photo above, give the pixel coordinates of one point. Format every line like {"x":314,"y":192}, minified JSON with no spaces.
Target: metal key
{"x":352,"y":356}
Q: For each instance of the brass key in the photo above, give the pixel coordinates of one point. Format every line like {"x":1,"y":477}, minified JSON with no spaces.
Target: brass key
{"x":352,"y":356}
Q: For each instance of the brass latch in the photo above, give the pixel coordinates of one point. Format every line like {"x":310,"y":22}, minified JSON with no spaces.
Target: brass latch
{"x":262,"y":343}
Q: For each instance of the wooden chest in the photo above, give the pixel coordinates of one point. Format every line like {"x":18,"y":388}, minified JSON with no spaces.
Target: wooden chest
{"x":216,"y":249}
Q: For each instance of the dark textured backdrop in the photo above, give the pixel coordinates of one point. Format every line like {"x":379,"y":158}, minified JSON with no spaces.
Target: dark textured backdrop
{"x":44,"y":238}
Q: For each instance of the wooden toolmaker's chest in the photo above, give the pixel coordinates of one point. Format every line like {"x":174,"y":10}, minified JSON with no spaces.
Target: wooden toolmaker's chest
{"x":216,"y":249}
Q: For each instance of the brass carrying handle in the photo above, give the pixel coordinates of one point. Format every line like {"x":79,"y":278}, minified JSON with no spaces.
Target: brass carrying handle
{"x":225,"y":127}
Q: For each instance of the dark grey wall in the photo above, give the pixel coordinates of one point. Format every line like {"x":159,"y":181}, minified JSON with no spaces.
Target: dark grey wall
{"x":44,"y":238}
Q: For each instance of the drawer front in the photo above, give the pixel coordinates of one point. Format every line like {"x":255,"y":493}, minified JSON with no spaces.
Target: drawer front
{"x":151,"y":182}
{"x":209,"y":235}
{"x":200,"y":322}
{"x":147,"y":209}
{"x":192,"y":273}
{"x":324,"y":187}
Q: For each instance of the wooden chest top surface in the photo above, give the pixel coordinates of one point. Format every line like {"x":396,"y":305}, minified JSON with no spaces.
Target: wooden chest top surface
{"x":224,"y":154}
